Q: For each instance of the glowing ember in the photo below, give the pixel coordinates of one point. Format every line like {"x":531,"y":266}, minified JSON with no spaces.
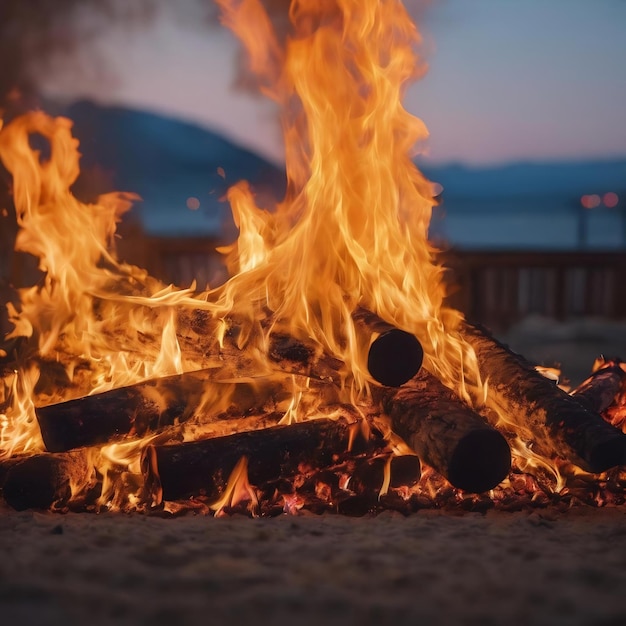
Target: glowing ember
{"x":350,"y":235}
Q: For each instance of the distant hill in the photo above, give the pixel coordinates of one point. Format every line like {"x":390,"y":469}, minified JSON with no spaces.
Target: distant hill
{"x":529,"y":205}
{"x":570,"y":179}
{"x":167,"y":161}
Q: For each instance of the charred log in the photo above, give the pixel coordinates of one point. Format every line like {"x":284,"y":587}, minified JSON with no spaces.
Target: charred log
{"x":601,"y":389}
{"x":368,"y":478}
{"x":394,"y":356}
{"x":391,"y":355}
{"x":183,"y":470}
{"x":107,"y":416}
{"x":292,"y":356}
{"x":447,"y":434}
{"x":43,"y":481}
{"x":145,"y":407}
{"x":558,"y":421}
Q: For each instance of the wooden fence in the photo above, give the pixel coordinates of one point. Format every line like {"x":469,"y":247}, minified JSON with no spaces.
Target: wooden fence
{"x":493,"y":288}
{"x":500,"y":288}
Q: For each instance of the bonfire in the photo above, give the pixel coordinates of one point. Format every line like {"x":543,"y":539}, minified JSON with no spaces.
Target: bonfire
{"x":326,"y":373}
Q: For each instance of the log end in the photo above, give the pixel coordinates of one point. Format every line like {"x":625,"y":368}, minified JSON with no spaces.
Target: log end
{"x":480,"y":461}
{"x":607,"y":454}
{"x":85,"y":421}
{"x":35,"y":483}
{"x":394,"y":357}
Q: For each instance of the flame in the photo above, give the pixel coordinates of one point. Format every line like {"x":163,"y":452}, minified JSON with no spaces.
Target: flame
{"x":238,"y":489}
{"x":79,"y":313}
{"x":352,"y":230}
{"x":351,"y":233}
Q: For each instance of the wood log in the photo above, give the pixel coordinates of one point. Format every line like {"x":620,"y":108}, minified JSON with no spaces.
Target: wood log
{"x":558,"y":422}
{"x":43,"y":481}
{"x":392,"y":356}
{"x":175,"y":472}
{"x":447,"y":434}
{"x":367,"y":478}
{"x":293,"y":356}
{"x":598,"y":392}
{"x":148,"y":406}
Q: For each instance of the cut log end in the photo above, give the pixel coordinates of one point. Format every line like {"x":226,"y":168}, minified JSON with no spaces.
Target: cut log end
{"x":607,"y":454}
{"x":394,"y":357}
{"x":480,"y":461}
{"x":44,"y":480}
{"x":561,"y":424}
{"x":447,"y":434}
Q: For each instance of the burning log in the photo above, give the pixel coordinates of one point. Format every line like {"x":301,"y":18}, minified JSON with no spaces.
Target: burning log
{"x":103,"y":417}
{"x":600,"y":390}
{"x":392,"y":356}
{"x":557,"y":420}
{"x":45,"y":480}
{"x":370,"y":476}
{"x":447,"y":434}
{"x":145,"y":407}
{"x":174,"y":472}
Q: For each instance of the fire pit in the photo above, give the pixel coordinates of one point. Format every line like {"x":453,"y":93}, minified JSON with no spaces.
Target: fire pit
{"x":326,"y":374}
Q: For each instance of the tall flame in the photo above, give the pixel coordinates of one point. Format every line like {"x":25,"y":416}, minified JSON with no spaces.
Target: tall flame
{"x":79,"y":312}
{"x":351,"y":233}
{"x":353,"y":228}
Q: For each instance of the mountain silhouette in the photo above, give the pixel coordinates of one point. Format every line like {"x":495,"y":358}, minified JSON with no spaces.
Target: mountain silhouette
{"x":167,"y":162}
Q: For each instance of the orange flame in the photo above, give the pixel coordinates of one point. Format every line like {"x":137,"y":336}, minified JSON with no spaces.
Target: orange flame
{"x":351,"y":232}
{"x":353,"y":228}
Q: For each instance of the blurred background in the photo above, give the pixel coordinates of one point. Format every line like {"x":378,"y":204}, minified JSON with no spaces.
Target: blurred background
{"x":525,"y":103}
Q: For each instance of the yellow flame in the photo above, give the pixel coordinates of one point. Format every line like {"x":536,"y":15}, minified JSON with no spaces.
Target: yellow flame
{"x":238,"y":489}
{"x":80,"y":312}
{"x":353,"y":228}
{"x":17,"y":435}
{"x":352,"y":231}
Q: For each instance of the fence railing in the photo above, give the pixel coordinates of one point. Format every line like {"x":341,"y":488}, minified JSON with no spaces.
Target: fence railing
{"x":493,"y":288}
{"x":500,"y":288}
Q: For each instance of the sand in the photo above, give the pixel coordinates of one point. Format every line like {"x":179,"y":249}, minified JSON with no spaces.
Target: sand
{"x":430,"y":568}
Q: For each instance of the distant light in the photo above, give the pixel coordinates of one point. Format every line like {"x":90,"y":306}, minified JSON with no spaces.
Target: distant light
{"x":590,"y":201}
{"x":610,"y":199}
{"x":193,"y":203}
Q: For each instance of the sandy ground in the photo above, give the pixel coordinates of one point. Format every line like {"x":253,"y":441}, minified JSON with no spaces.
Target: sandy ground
{"x":429,"y":568}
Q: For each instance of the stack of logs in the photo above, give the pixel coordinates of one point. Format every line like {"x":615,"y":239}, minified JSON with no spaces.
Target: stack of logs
{"x":343,"y":446}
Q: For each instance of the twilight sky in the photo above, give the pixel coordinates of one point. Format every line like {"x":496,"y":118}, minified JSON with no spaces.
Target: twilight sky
{"x":509,"y":80}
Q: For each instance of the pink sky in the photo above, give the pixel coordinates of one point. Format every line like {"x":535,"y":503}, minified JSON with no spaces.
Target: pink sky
{"x":532,"y":80}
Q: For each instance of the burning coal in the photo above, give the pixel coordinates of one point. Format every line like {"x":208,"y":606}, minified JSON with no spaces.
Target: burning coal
{"x":315,"y":374}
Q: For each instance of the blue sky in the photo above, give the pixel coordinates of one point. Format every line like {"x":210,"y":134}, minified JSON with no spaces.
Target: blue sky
{"x":509,"y":80}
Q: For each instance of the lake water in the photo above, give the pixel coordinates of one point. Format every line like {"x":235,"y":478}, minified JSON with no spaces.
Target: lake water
{"x":533,"y":229}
